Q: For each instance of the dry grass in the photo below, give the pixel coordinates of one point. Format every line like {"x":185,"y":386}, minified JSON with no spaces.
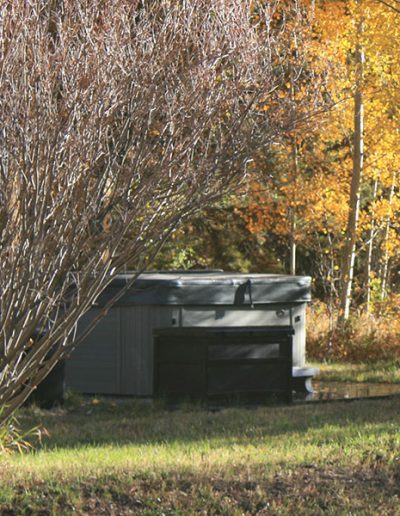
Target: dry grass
{"x":365,"y":339}
{"x":387,"y":372}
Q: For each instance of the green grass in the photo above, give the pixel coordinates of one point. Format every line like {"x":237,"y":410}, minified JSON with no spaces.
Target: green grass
{"x":130,"y":457}
{"x":381,"y":372}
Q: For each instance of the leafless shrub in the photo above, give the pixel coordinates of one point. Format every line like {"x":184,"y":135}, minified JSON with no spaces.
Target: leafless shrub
{"x":118,"y":119}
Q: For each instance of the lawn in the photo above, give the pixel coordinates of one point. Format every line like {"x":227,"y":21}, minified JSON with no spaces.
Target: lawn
{"x":107,"y":456}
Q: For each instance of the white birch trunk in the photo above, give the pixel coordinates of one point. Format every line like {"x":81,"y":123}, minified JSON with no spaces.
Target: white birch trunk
{"x":386,"y":258}
{"x":370,"y":251}
{"x":292,"y":213}
{"x":358,"y":160}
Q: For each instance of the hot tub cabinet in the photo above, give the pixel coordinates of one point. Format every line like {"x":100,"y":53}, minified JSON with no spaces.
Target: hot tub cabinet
{"x":118,"y":356}
{"x":249,"y":363}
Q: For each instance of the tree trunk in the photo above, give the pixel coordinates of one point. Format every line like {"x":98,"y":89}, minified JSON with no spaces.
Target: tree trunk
{"x":358,"y":158}
{"x":386,"y":257}
{"x":295,"y":164}
{"x":370,"y":251}
{"x":292,"y":212}
{"x":293,"y":247}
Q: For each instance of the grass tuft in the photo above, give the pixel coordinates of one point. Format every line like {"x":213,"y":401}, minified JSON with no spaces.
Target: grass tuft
{"x":13,"y":439}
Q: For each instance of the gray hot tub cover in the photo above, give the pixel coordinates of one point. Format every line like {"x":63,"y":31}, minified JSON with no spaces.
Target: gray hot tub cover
{"x":209,"y":288}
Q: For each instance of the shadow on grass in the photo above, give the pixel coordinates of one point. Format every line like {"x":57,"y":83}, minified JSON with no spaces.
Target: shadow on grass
{"x":95,"y":421}
{"x":307,"y":490}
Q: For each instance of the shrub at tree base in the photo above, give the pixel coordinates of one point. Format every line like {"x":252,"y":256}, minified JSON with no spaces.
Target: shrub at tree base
{"x":366,"y":338}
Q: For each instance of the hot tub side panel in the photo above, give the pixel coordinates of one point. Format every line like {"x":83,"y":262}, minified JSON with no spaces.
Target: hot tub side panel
{"x":95,"y":365}
{"x":117,"y":357}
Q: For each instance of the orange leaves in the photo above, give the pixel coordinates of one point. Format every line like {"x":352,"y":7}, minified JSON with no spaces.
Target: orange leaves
{"x":306,"y":193}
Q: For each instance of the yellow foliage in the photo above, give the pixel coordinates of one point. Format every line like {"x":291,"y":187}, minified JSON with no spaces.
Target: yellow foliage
{"x":316,"y":189}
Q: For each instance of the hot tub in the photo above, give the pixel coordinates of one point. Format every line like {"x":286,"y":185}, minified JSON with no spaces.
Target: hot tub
{"x":117,"y":357}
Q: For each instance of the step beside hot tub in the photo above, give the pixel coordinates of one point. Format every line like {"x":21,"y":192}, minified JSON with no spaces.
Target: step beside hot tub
{"x":118,"y":356}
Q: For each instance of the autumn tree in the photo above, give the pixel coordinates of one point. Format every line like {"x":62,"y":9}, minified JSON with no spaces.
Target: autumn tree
{"x":368,"y":34}
{"x":335,"y":192}
{"x":119,"y":119}
{"x":281,"y":191}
